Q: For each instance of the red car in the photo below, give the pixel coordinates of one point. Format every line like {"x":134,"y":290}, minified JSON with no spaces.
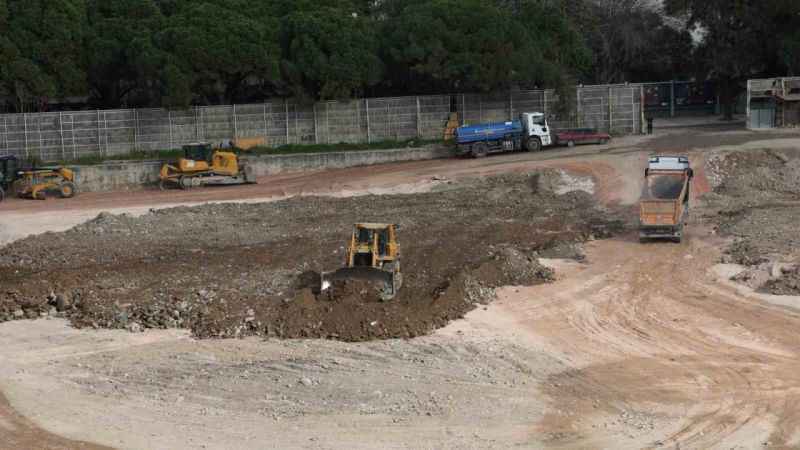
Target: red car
{"x":581,"y":136}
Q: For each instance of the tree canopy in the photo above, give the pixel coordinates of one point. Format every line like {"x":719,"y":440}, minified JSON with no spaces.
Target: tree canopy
{"x":133,"y":53}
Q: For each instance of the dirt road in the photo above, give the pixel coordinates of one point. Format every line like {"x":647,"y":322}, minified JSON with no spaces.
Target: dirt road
{"x":638,"y":346}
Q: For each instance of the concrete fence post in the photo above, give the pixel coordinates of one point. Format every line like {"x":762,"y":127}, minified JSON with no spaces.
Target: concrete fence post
{"x":316,"y":126}
{"x":197,"y":123}
{"x":105,"y":131}
{"x":633,"y":111}
{"x":672,"y":98}
{"x":544,"y":102}
{"x":510,"y":105}
{"x":358,"y":121}
{"x":463,"y":109}
{"x":366,"y":109}
{"x":25,"y":132}
{"x":99,"y":139}
{"x":286,"y":110}
{"x":264,"y":117}
{"x":389,"y":120}
{"x":610,"y":112}
{"x":579,"y":110}
{"x":135,"y":130}
{"x":61,"y":134}
{"x":5,"y":133}
{"x":419,"y":119}
{"x":235,"y":124}
{"x":202,"y":124}
{"x":747,"y":107}
{"x":327,"y":122}
{"x":169,"y":124}
{"x":39,"y":132}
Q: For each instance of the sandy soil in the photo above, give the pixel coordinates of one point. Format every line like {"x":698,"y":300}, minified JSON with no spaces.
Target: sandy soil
{"x":638,"y":346}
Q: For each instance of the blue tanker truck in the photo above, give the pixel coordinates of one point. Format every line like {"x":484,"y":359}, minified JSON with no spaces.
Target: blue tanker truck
{"x":529,"y":133}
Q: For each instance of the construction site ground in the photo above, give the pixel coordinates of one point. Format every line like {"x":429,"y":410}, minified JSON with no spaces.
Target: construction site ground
{"x":531,"y":316}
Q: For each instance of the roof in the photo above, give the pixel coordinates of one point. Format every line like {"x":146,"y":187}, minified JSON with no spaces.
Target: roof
{"x":789,"y":98}
{"x":374,"y":226}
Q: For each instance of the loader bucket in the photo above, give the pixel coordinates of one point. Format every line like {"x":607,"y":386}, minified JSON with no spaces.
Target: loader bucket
{"x":388,"y":283}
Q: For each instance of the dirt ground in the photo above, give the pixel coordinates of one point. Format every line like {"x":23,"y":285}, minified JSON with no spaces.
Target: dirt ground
{"x":233,"y":270}
{"x":630,"y":346}
{"x":756,"y":201}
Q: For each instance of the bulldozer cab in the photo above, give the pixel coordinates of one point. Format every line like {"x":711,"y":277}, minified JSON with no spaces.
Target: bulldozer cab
{"x":200,"y":151}
{"x":373,"y":243}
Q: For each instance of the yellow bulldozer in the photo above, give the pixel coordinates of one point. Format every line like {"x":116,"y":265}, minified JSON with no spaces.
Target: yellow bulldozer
{"x":201,"y":165}
{"x":373,"y":255}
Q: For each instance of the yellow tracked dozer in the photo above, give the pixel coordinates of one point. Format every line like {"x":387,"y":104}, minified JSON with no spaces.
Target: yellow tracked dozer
{"x":373,"y":255}
{"x":202,"y":165}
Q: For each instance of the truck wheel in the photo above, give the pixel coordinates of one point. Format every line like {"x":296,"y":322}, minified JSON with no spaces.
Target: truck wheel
{"x":571,"y":144}
{"x":480,"y":150}
{"x":2,"y":194}
{"x":534,"y":145}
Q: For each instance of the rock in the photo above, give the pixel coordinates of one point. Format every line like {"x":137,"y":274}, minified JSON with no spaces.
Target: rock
{"x":776,"y":271}
{"x":134,"y":327}
{"x":62,"y":304}
{"x":19,"y":314}
{"x":306,"y":381}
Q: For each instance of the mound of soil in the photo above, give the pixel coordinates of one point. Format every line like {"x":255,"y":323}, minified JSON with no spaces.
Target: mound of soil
{"x":756,"y":200}
{"x":787,"y":284}
{"x":231,"y":270}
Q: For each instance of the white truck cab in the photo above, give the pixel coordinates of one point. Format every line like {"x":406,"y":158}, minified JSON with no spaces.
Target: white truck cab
{"x":536,"y":132}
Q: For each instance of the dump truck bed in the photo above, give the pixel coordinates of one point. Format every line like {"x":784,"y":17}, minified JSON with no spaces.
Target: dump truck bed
{"x":664,"y":203}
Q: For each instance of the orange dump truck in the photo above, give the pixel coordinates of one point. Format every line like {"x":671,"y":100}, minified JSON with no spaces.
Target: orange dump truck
{"x":664,"y":204}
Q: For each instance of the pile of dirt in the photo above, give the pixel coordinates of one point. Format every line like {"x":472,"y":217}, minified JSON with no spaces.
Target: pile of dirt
{"x":756,"y":201}
{"x":232,"y":270}
{"x":786,"y":283}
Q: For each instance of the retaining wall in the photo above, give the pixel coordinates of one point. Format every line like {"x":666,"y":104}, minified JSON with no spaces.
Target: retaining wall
{"x":130,"y":175}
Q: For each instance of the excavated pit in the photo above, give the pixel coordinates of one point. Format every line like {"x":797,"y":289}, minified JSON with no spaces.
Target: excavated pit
{"x":232,"y":270}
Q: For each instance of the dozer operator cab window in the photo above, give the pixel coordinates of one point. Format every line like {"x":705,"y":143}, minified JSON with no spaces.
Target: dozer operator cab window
{"x":198,"y":152}
{"x":365,"y":236}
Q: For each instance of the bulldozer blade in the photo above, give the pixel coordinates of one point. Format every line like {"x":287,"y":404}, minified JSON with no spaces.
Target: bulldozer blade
{"x":389,"y":281}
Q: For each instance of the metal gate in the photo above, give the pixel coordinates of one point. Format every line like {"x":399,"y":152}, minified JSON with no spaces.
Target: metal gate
{"x":762,"y":113}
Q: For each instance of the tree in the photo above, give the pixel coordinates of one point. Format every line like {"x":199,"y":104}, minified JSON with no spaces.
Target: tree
{"x":738,"y":39}
{"x":631,"y":41}
{"x":224,"y":49}
{"x":330,"y":52}
{"x":124,"y":63}
{"x":40,"y":49}
{"x":451,"y":45}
